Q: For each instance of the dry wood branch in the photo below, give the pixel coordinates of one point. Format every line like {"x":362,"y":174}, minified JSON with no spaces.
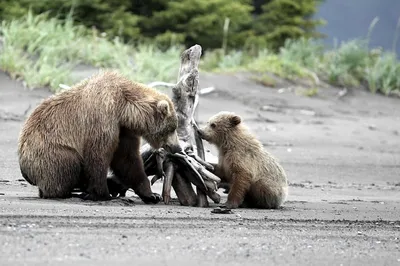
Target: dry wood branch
{"x":184,"y":190}
{"x":169,"y":174}
{"x":181,"y":170}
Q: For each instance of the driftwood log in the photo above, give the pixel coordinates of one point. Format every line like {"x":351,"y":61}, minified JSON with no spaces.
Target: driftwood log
{"x":180,"y":170}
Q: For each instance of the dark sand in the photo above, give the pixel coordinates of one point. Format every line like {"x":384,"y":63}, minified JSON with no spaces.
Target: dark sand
{"x":342,"y":157}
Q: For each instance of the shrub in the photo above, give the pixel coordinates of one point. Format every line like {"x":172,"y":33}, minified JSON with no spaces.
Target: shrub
{"x":12,"y":60}
{"x":112,"y":16}
{"x":306,"y":52}
{"x":148,"y":63}
{"x":200,"y":21}
{"x":345,"y":65}
{"x":182,"y":21}
{"x":383,"y":74}
{"x":268,"y":61}
{"x":287,"y":19}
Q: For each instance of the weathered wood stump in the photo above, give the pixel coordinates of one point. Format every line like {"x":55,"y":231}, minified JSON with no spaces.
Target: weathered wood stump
{"x":180,"y":170}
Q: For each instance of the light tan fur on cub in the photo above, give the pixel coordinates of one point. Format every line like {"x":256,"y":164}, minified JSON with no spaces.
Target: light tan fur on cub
{"x":257,"y":179}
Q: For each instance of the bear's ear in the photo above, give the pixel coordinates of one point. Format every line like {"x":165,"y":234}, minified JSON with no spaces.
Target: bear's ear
{"x":235,"y":120}
{"x":163,"y":107}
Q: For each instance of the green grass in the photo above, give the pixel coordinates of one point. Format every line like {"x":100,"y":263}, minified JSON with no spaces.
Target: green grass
{"x":264,"y":79}
{"x":265,"y":61}
{"x":349,"y":64}
{"x":345,"y":65}
{"x":310,"y":92}
{"x":43,"y":52}
{"x":383,"y":74}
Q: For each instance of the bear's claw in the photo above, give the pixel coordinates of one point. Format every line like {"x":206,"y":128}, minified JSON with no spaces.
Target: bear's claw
{"x":154,"y":198}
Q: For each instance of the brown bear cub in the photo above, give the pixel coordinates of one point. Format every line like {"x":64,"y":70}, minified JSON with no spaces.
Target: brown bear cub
{"x":255,"y":176}
{"x":72,"y":138}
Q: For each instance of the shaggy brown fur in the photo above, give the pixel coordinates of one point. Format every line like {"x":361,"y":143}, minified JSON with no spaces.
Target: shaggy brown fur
{"x":256,"y":178}
{"x":73,"y":137}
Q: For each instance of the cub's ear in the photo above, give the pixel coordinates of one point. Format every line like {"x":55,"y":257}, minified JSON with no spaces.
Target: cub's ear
{"x":163,"y":107}
{"x":235,"y":120}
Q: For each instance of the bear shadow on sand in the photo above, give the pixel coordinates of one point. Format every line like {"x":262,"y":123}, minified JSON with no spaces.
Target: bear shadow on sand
{"x":76,"y":200}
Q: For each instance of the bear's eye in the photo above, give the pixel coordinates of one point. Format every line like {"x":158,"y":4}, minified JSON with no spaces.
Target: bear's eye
{"x":213,"y":125}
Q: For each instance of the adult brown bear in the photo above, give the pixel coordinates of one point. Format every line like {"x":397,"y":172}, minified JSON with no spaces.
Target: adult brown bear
{"x":73,"y":137}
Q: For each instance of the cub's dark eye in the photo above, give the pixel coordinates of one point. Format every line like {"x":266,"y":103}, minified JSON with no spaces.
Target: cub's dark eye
{"x":213,"y":125}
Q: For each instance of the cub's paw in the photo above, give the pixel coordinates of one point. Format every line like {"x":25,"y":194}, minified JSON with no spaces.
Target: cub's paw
{"x":94,"y":197}
{"x":222,"y":210}
{"x":153,"y":198}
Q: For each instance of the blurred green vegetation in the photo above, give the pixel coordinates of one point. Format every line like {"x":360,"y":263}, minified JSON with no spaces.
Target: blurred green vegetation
{"x":182,"y":21}
{"x":42,"y":51}
{"x":41,"y":42}
{"x":350,"y":64}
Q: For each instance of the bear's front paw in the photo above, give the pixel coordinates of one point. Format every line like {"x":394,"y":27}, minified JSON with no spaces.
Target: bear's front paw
{"x":154,"y":198}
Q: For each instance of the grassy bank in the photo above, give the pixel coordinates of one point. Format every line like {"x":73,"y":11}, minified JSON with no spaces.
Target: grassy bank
{"x":43,"y":51}
{"x":350,"y":64}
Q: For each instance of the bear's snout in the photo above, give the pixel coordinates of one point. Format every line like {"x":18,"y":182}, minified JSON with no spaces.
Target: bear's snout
{"x":173,"y":148}
{"x":172,"y":144}
{"x":205,"y":134}
{"x":200,"y":132}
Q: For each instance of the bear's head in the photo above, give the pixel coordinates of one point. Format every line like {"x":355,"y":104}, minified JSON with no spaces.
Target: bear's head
{"x":164,"y":134}
{"x":220,"y":127}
